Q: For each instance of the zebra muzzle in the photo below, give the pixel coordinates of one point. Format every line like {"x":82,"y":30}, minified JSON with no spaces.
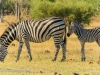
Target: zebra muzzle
{"x":68,"y":34}
{"x":2,"y":61}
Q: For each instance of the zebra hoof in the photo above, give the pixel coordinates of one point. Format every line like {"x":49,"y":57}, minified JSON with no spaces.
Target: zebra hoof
{"x":30,"y":60}
{"x":83,"y":59}
{"x":63,"y":59}
{"x":16,"y":60}
{"x":53,"y":59}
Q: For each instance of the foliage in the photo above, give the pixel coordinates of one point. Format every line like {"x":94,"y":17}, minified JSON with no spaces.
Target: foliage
{"x":9,"y":5}
{"x":82,"y":12}
{"x":24,"y":6}
{"x":78,"y":10}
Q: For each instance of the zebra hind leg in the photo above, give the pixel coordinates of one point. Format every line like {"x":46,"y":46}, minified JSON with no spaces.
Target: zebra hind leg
{"x":56,"y":54}
{"x":63,"y":50}
{"x":98,"y":42}
{"x":83,"y":55}
{"x":19,"y":50}
{"x":82,"y":51}
{"x":28,"y":49}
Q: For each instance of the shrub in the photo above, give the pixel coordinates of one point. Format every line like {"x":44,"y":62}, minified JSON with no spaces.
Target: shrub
{"x":80,"y":11}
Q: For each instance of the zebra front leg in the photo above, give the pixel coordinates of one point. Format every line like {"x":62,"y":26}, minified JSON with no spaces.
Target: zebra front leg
{"x":56,"y":53}
{"x":19,"y":50}
{"x":82,"y":51}
{"x":63,"y":51}
{"x":28,"y":49}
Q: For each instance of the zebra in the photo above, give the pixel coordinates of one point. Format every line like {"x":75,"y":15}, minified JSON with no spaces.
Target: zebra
{"x":36,"y":31}
{"x":84,"y":35}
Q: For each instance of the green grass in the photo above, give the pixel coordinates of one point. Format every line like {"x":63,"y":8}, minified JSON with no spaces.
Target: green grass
{"x":42,"y":61}
{"x":23,"y":67}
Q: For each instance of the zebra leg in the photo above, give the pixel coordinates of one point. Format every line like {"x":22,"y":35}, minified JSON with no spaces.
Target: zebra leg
{"x":98,"y":42}
{"x":28,"y":49}
{"x":19,"y":50}
{"x":56,"y":53}
{"x":63,"y":50}
{"x":82,"y":51}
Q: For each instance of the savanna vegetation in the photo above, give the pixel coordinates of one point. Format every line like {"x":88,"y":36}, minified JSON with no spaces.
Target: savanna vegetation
{"x":43,"y":53}
{"x":78,"y":10}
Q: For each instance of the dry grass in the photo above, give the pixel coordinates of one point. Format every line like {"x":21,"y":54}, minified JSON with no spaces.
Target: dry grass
{"x":42,"y":64}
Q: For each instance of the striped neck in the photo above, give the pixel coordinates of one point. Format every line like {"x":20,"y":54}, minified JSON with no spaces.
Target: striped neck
{"x":78,"y":30}
{"x":8,"y":36}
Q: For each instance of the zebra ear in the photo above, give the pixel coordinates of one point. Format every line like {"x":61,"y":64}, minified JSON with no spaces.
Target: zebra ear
{"x":71,"y":23}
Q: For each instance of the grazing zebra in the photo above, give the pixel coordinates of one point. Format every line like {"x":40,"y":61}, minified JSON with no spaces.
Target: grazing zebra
{"x":84,"y":35}
{"x":35,"y":31}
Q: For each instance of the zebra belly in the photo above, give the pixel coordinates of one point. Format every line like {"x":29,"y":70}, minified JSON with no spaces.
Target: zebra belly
{"x":90,"y":39}
{"x":34,"y":39}
{"x":39,"y":40}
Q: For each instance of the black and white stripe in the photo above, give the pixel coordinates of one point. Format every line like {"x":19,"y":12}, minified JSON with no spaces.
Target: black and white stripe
{"x":84,"y":35}
{"x":34,"y":31}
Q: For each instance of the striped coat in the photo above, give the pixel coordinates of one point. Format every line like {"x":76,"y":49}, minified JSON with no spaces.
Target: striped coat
{"x":34,"y":31}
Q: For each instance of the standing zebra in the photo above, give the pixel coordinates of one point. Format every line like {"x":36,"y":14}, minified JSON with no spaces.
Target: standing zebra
{"x":84,"y":35}
{"x":34,"y":31}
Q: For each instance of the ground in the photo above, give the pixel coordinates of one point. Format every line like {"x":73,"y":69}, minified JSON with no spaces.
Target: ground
{"x":43,"y":53}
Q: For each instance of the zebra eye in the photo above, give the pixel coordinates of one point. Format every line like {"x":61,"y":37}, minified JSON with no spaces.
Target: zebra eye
{"x":0,"y":53}
{"x":70,"y":28}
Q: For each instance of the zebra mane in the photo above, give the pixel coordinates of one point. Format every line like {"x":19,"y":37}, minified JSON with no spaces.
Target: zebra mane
{"x":78,"y":24}
{"x":46,"y":18}
{"x":7,"y":29}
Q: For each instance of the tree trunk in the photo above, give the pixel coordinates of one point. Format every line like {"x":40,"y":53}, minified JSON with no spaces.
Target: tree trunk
{"x":1,"y":11}
{"x":17,"y":11}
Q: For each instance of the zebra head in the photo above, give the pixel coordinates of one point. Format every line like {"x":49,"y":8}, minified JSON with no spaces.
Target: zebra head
{"x":71,"y":28}
{"x":3,"y":52}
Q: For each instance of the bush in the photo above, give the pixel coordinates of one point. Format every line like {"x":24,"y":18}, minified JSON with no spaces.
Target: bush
{"x":80,"y":11}
{"x":40,"y":9}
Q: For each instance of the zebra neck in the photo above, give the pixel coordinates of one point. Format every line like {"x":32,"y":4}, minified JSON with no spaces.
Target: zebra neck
{"x":3,"y":45}
{"x":79,"y":32}
{"x":8,"y":36}
{"x":6,"y":41}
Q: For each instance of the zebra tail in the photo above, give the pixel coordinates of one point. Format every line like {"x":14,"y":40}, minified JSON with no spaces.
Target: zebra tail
{"x":65,"y":36}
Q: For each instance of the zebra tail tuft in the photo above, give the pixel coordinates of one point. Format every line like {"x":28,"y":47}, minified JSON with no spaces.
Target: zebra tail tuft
{"x":65,"y":36}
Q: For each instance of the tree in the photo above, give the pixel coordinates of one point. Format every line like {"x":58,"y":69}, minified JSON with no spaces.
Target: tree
{"x":1,"y":11}
{"x":17,"y":13}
